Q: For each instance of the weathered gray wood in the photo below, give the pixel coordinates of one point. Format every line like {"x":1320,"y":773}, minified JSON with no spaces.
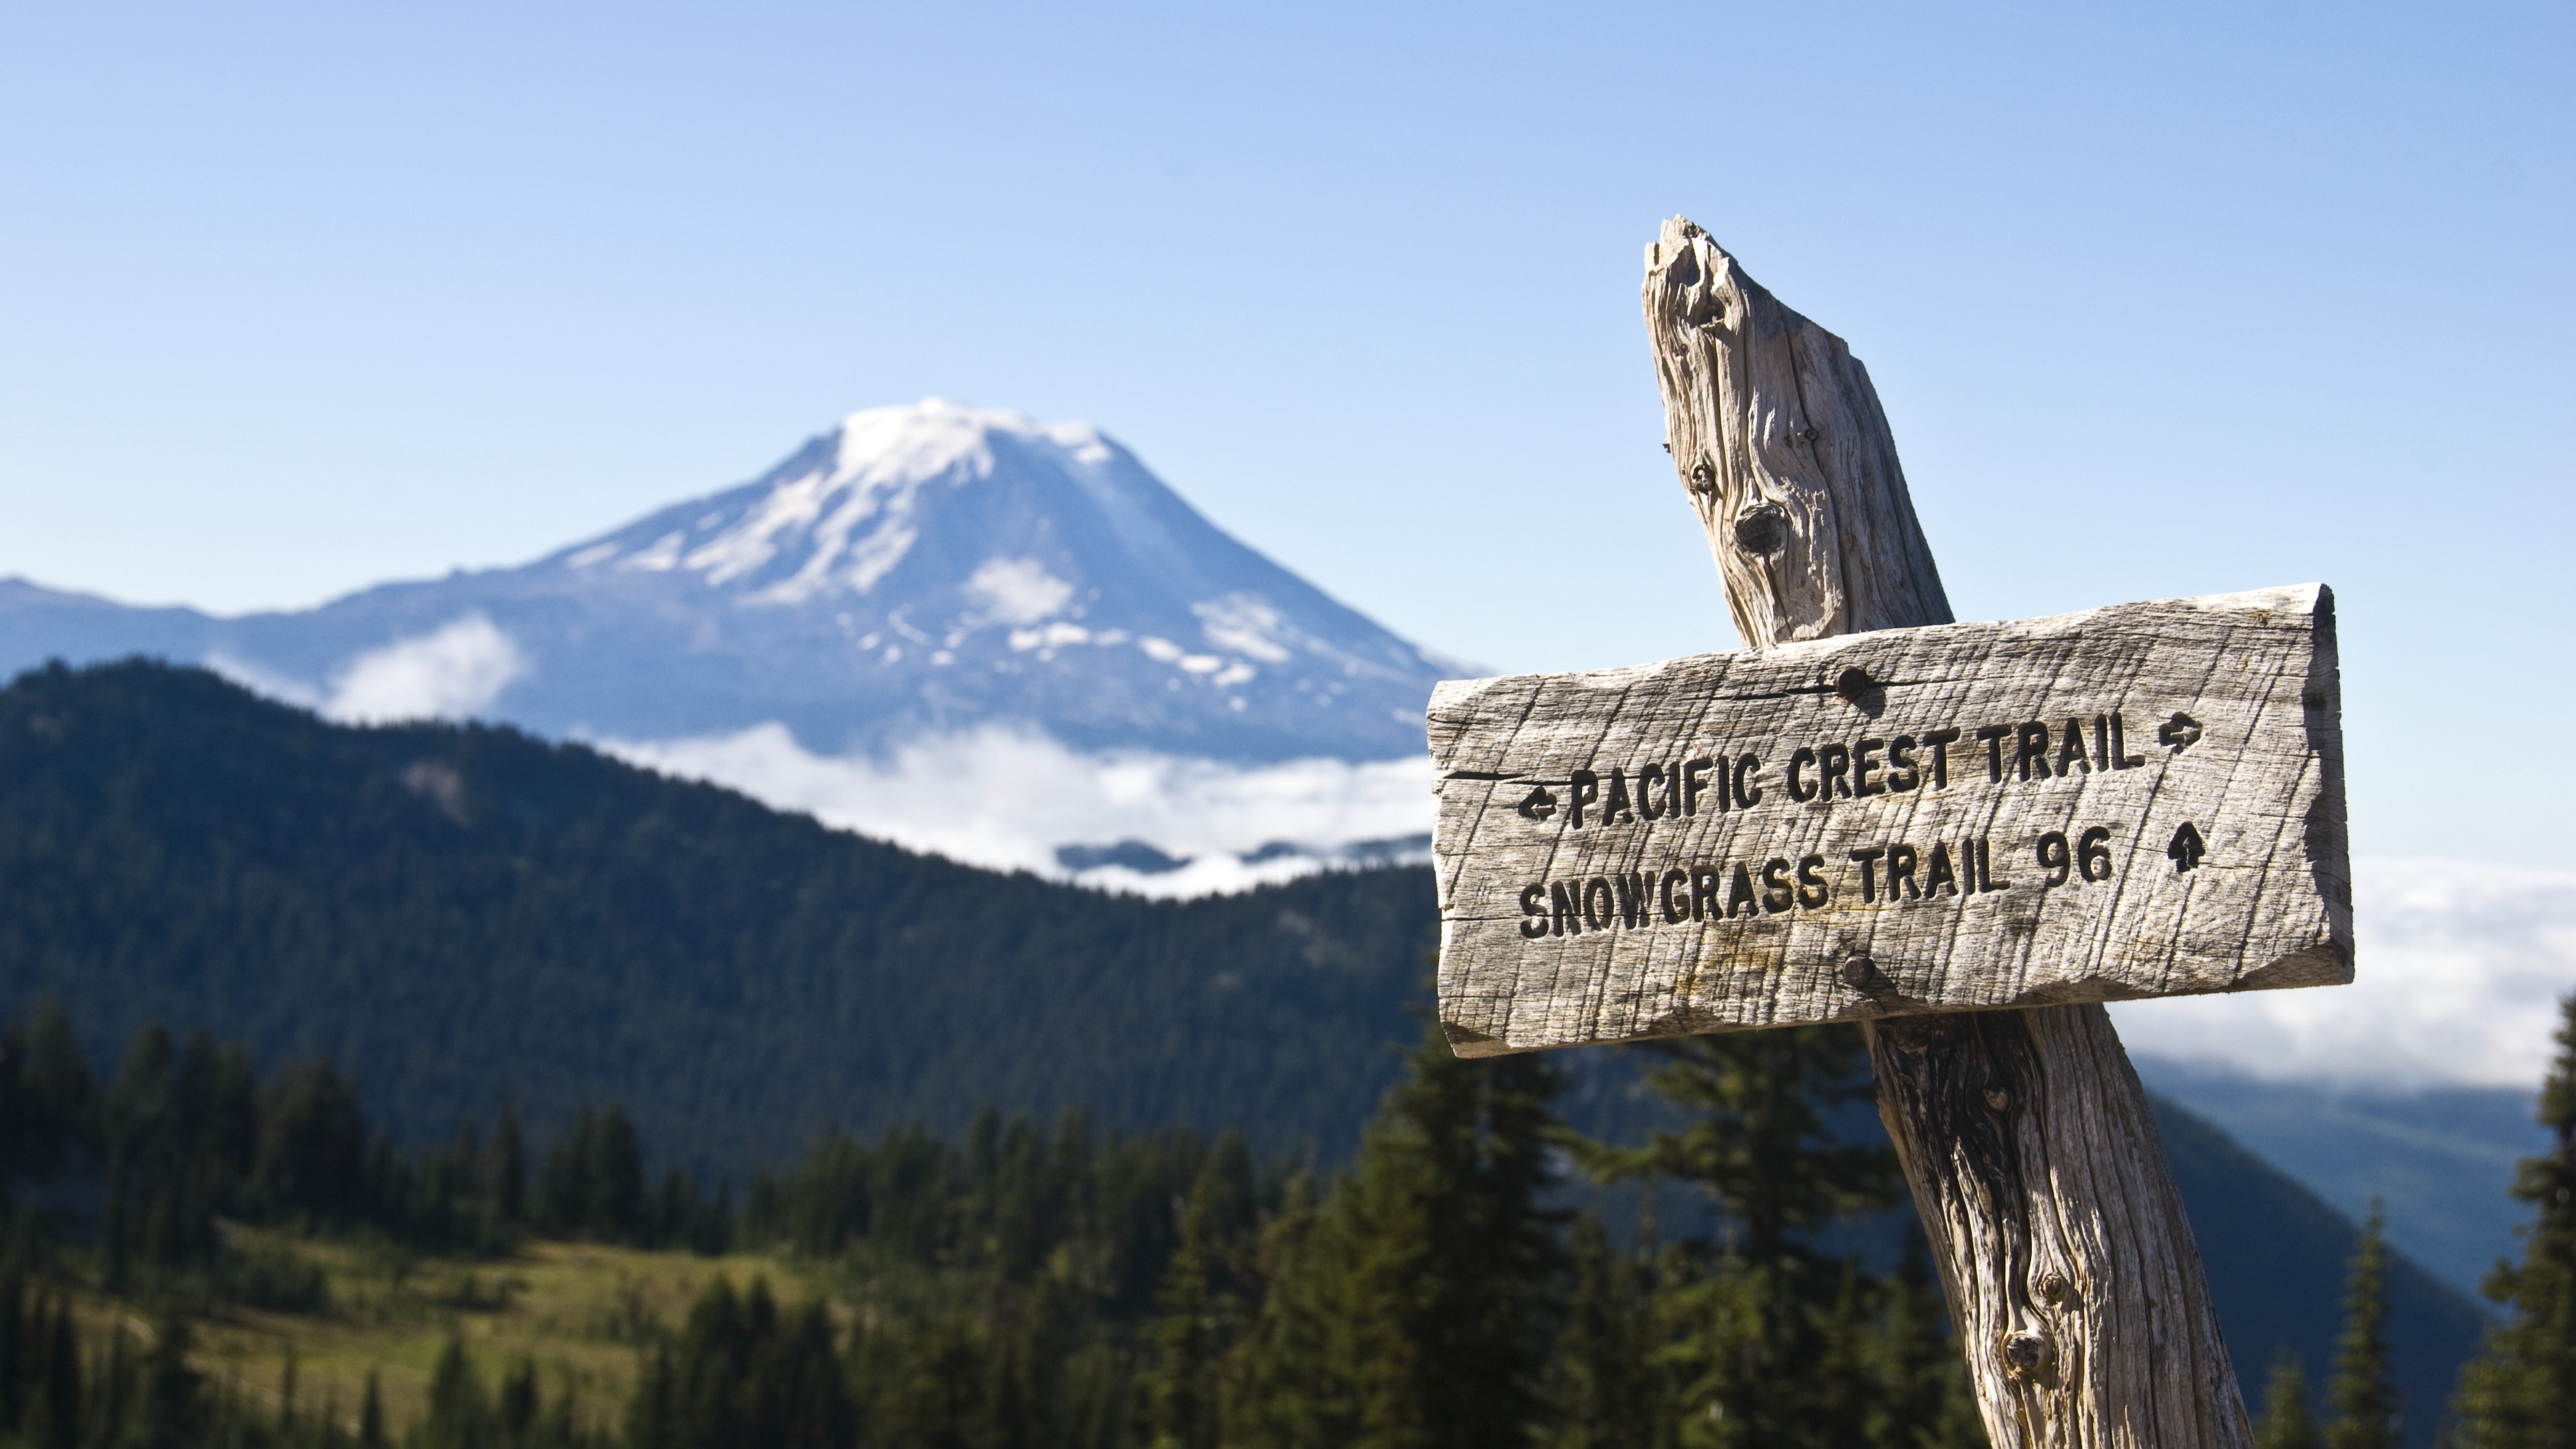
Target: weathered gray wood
{"x":2136,"y":801}
{"x":1778,"y":437}
{"x":2069,"y":1266}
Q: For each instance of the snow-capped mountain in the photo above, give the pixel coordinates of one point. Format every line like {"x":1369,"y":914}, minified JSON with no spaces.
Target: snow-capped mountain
{"x":916,"y":572}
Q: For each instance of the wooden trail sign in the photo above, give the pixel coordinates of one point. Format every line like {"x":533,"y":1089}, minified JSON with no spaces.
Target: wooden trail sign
{"x":2024,"y":1135}
{"x":2137,"y":801}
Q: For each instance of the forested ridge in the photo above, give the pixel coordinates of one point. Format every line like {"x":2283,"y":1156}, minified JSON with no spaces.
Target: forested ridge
{"x":466,"y":927}
{"x":463,"y":915}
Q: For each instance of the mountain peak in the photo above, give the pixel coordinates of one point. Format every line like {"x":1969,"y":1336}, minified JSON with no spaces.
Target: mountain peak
{"x":917,"y":570}
{"x":845,"y":509}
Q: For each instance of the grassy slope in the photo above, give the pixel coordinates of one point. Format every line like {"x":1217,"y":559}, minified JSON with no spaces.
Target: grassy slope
{"x":580,"y":1310}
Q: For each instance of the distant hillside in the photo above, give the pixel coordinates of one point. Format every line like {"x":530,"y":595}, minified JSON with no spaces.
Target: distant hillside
{"x":2440,"y":1158}
{"x":2276,"y":1254}
{"x":460,"y":915}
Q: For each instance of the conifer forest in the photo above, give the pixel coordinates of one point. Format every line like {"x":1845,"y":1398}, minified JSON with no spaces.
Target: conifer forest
{"x":1056,"y":1284}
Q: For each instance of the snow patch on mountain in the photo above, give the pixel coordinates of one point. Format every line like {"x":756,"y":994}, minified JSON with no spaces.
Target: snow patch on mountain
{"x":1019,"y":590}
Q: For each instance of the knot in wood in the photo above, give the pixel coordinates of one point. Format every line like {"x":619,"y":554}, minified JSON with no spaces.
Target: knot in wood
{"x":2027,"y":1355}
{"x":2052,"y":1286}
{"x":1999,"y":1098}
{"x":1762,"y":528}
{"x":1703,"y":477}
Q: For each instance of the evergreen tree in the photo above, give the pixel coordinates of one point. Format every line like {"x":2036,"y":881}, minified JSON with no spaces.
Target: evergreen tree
{"x":107,"y":1392}
{"x":507,"y":1173}
{"x":459,"y":1416}
{"x":173,"y":1395}
{"x":286,"y":1387}
{"x":1605,"y":1393}
{"x":742,"y":1373}
{"x":2520,"y":1392}
{"x":48,"y":1098}
{"x":1748,"y":1314}
{"x":1180,"y":1402}
{"x":799,"y":1392}
{"x":313,"y":1147}
{"x":18,"y":1337}
{"x":54,"y":1415}
{"x":1924,"y":1400}
{"x":2286,"y":1422}
{"x":1413,"y":1316}
{"x":616,"y":1210}
{"x":2363,"y":1394}
{"x":562,"y":1426}
{"x":932,"y":1397}
{"x":514,"y":1411}
{"x":371,"y":1415}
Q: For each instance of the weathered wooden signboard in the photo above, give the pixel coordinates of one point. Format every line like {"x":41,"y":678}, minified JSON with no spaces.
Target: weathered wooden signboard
{"x":2137,"y":801}
{"x":1882,"y":816}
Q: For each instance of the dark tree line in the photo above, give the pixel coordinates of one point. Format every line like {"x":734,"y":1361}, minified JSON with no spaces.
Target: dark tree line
{"x":1034,"y":1285}
{"x":188,"y":1138}
{"x":1165,"y":1292}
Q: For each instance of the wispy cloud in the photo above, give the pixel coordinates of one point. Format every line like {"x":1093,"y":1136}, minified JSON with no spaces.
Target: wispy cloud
{"x":451,"y":672}
{"x":2457,"y":975}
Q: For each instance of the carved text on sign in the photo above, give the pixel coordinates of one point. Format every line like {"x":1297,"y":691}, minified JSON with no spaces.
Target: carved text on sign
{"x":2137,"y":801}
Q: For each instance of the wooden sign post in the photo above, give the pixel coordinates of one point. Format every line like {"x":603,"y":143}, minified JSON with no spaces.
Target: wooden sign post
{"x":1877,"y":815}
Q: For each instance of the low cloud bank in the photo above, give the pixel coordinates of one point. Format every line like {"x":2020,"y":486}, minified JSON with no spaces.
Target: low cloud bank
{"x":1013,"y":798}
{"x":453,"y":672}
{"x":2458,"y":970}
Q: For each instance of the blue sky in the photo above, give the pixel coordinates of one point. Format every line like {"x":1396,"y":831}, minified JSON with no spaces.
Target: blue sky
{"x":2160,"y":300}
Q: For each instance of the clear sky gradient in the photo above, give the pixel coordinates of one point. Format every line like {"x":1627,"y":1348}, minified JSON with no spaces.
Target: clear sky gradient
{"x":2160,"y":300}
